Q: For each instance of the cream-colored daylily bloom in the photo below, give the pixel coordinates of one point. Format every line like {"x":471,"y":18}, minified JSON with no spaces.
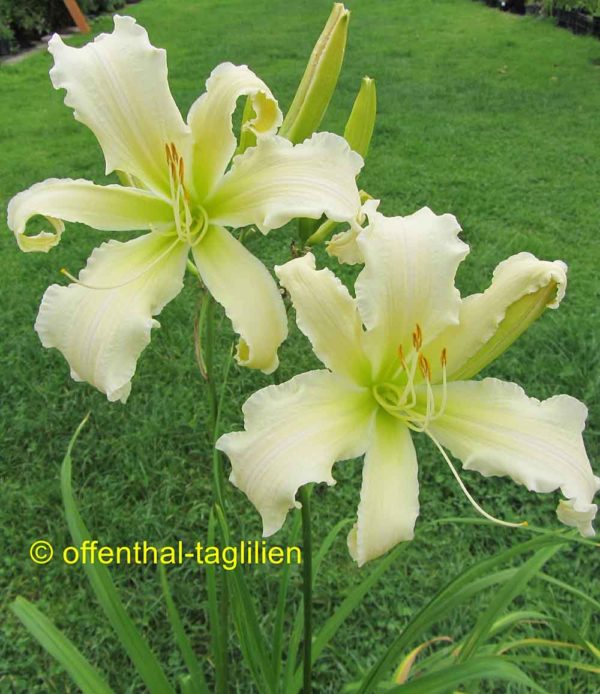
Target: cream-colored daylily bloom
{"x":392,"y":357}
{"x":183,"y":193}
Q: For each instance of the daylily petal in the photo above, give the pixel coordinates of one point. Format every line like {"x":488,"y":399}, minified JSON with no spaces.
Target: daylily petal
{"x":276,"y":181}
{"x":210,"y":119}
{"x":577,"y":515}
{"x":522,"y":288}
{"x":344,"y":246}
{"x":494,"y":428}
{"x":117,"y":86}
{"x":101,"y":332}
{"x":327,"y":315}
{"x":389,"y":498}
{"x":244,"y":287}
{"x":109,"y":208}
{"x":408,"y":280}
{"x":294,"y":433}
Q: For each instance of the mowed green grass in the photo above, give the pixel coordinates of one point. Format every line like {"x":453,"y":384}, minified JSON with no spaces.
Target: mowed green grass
{"x":486,"y":115}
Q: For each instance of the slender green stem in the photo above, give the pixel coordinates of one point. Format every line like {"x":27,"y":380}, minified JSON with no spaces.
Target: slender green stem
{"x":307,"y":587}
{"x":209,"y":353}
{"x":215,"y":402}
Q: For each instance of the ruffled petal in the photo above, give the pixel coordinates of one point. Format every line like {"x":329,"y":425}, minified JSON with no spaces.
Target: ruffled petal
{"x":244,"y":287}
{"x":522,"y":288}
{"x":109,"y":208}
{"x":210,"y":119}
{"x":101,"y":332}
{"x":276,"y":181}
{"x":577,"y":515}
{"x":294,"y":433}
{"x":389,"y":498}
{"x":408,"y":280}
{"x":494,"y":428}
{"x":117,"y":86}
{"x":327,"y":315}
{"x":344,"y":246}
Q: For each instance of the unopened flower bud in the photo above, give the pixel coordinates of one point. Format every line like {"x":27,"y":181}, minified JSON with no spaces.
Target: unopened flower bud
{"x":359,"y":128}
{"x":319,"y":80}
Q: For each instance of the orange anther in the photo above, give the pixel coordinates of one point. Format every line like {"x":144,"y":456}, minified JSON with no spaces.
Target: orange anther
{"x":417,"y":337}
{"x":444,"y":357}
{"x":424,"y":367}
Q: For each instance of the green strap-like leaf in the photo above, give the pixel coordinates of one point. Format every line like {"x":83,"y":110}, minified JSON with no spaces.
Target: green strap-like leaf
{"x":560,"y":662}
{"x":296,"y":635}
{"x":196,"y":683}
{"x":502,"y":599}
{"x":337,"y":619}
{"x":217,"y":630}
{"x":475,"y":670}
{"x":284,"y":581}
{"x":138,"y":650}
{"x":85,"y":675}
{"x":570,"y":589}
{"x":249,"y":629}
{"x":446,"y":600}
{"x":512,"y":618}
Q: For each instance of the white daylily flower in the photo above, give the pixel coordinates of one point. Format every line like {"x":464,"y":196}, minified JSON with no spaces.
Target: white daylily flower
{"x":183,"y":194}
{"x":393,"y":357}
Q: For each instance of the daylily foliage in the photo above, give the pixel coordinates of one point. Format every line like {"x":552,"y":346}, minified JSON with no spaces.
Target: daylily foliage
{"x":393,"y":357}
{"x":183,"y":194}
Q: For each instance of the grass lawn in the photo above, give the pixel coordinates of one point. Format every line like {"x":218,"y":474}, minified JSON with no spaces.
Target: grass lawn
{"x":486,"y":115}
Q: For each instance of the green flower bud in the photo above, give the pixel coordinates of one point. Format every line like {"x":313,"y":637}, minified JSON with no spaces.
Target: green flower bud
{"x":319,"y":80}
{"x":247,"y":136}
{"x":361,"y":122}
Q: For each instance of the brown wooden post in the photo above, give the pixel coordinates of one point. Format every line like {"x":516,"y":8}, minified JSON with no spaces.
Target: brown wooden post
{"x":78,"y":16}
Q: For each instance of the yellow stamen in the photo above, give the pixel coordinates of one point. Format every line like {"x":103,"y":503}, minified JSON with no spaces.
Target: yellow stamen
{"x":401,"y":355}
{"x":424,"y":367}
{"x":417,"y":338}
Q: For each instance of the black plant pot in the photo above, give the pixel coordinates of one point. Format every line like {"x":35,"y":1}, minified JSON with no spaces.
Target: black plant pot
{"x":534,"y":9}
{"x":582,"y":23}
{"x":514,"y":6}
{"x":596,"y":26}
{"x":564,"y":18}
